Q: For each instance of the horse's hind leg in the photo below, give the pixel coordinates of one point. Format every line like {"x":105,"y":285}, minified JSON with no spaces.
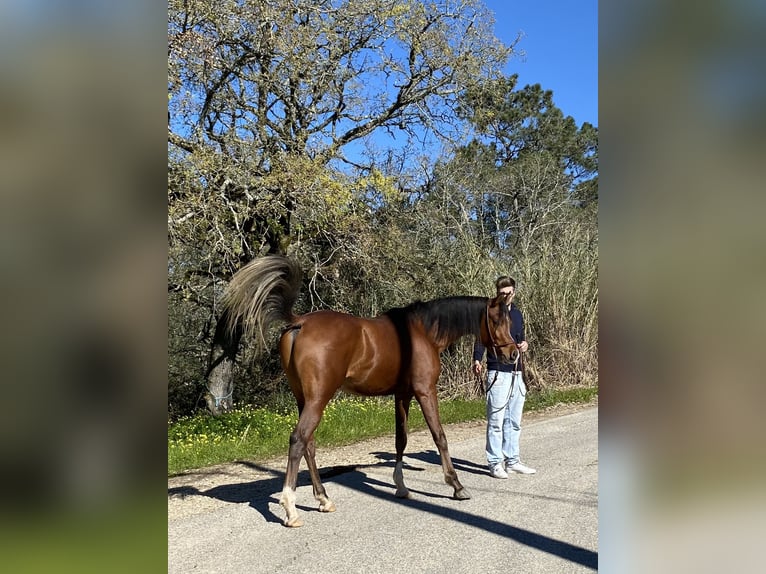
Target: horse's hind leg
{"x":325,"y":504}
{"x":287,"y":500}
{"x":429,"y":405}
{"x":402,"y":405}
{"x":299,"y":440}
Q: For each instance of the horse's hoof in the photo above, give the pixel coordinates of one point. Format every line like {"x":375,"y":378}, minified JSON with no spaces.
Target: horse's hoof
{"x":293,"y":522}
{"x":403,"y":494}
{"x":462,"y":494}
{"x":328,"y":506}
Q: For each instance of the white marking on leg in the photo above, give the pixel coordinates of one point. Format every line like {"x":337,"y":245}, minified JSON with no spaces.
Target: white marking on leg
{"x":325,"y":504}
{"x":287,"y":500}
{"x":401,"y":490}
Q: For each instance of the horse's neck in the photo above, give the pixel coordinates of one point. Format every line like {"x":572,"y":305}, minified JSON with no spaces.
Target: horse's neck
{"x":444,"y":321}
{"x":447,"y":338}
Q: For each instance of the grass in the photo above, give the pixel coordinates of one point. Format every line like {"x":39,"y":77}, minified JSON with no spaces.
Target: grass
{"x":260,"y":433}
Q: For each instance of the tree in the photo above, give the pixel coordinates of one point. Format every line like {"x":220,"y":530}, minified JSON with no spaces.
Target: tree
{"x":265,"y":94}
{"x":537,"y":164}
{"x":267,"y":99}
{"x":523,"y":122}
{"x":530,"y":182}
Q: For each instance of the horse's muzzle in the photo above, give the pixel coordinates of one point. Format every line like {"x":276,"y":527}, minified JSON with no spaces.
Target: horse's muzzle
{"x":507,"y":359}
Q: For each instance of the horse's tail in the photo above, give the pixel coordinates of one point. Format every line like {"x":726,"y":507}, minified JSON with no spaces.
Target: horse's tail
{"x":261,"y":293}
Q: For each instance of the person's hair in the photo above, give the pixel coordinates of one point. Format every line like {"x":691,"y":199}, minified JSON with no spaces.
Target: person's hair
{"x":505,"y":281}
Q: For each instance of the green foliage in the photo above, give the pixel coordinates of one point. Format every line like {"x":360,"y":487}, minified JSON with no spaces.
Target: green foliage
{"x":528,"y":188}
{"x":264,"y":99}
{"x":263,"y":96}
{"x":258,"y":434}
{"x":541,"y":399}
{"x":559,"y":295}
{"x":261,"y":119}
{"x":523,"y":122}
{"x":202,"y":440}
{"x":248,"y":432}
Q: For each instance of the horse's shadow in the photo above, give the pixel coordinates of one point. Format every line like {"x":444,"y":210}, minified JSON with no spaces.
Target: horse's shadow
{"x":432,"y":457}
{"x":261,"y":494}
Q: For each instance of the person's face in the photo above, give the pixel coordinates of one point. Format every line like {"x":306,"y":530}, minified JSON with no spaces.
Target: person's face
{"x":508,"y":292}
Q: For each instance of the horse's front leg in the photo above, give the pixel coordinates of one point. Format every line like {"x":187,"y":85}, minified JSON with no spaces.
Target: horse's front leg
{"x":402,"y":405}
{"x":429,"y":405}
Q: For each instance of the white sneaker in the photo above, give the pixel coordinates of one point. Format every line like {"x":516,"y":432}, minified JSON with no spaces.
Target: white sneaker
{"x":520,"y":468}
{"x":498,"y":471}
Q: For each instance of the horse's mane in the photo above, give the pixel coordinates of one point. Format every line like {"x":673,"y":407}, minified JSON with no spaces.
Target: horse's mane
{"x":446,"y":319}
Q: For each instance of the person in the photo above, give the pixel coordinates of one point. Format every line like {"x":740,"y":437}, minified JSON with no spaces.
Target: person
{"x":506,"y":392}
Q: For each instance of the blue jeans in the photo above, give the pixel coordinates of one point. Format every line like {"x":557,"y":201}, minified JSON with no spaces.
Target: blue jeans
{"x":505,"y":402}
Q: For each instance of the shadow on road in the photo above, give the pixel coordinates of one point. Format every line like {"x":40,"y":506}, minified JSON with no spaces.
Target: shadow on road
{"x":432,"y":457}
{"x":260,"y":494}
{"x":372,"y":487}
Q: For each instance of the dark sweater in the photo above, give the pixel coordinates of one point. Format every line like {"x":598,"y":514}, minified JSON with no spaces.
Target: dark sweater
{"x":517,"y":332}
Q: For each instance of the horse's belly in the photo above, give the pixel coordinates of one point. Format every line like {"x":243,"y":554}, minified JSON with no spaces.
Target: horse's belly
{"x":370,"y":383}
{"x":374,"y":368}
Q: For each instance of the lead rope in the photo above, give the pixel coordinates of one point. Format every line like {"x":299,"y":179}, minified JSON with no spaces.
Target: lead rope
{"x":510,"y":392}
{"x":516,"y":362}
{"x":513,"y":382}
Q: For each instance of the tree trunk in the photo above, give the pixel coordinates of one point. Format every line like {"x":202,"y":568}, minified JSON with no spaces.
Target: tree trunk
{"x":220,"y":384}
{"x":220,"y":374}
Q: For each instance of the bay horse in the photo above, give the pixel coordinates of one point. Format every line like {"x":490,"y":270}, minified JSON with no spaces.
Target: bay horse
{"x":395,"y":353}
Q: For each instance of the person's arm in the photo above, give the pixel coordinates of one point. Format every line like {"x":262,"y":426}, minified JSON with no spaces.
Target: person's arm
{"x":522,"y":344}
{"x":478,"y":354}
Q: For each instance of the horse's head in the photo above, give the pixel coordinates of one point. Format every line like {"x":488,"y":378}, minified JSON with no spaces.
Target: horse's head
{"x":496,"y":330}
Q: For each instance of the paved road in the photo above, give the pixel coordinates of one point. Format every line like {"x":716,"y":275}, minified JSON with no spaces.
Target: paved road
{"x":542,"y":523}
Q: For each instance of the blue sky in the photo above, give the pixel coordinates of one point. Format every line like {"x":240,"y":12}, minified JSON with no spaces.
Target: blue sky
{"x":561,"y":44}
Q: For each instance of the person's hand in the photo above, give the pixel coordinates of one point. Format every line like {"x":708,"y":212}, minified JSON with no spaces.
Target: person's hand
{"x":523,"y":346}
{"x":477,"y":367}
